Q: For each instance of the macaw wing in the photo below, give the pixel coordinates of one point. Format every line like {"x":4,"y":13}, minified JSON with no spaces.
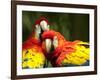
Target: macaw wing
{"x":73,"y":54}
{"x":32,"y":58}
{"x":32,"y":54}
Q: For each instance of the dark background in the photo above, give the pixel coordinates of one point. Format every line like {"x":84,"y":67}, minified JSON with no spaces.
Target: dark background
{"x":72,"y":26}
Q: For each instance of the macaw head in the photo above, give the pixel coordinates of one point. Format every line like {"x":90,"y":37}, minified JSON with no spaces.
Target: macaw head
{"x":51,"y":46}
{"x":44,"y":24}
{"x":40,"y":26}
{"x":50,"y":40}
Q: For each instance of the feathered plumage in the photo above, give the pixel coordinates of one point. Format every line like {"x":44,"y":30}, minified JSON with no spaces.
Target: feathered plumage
{"x":32,"y":53}
{"x":66,"y":52}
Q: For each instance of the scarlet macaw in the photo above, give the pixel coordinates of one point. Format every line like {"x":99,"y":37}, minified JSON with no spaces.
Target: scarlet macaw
{"x":62,"y":52}
{"x":32,"y":53}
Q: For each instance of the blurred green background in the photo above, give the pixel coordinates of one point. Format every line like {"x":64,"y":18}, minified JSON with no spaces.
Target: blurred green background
{"x":72,"y":26}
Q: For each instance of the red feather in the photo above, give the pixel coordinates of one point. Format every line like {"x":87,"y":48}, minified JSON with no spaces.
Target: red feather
{"x":48,"y":34}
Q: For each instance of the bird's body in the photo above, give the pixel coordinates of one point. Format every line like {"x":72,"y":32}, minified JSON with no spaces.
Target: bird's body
{"x":32,"y":54}
{"x":66,"y":52}
{"x":73,"y":53}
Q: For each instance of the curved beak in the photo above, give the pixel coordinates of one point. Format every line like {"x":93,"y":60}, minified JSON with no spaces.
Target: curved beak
{"x":48,"y":44}
{"x":44,"y":25}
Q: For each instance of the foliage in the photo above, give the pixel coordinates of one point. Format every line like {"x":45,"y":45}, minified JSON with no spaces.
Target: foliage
{"x":72,"y":26}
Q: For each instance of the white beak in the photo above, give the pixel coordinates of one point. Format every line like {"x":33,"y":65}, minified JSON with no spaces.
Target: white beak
{"x":48,"y":44}
{"x":44,"y":25}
